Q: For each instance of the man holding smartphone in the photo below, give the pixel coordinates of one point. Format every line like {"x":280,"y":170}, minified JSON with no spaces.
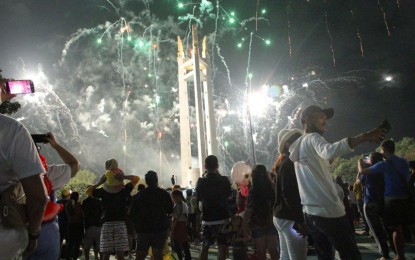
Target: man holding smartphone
{"x":324,"y":211}
{"x":19,"y":162}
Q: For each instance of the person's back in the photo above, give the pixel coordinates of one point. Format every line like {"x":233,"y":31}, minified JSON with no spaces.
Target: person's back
{"x":150,"y":210}
{"x":213,"y":191}
{"x":92,"y":209}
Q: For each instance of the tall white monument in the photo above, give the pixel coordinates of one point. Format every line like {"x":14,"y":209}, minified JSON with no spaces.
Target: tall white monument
{"x":195,"y":69}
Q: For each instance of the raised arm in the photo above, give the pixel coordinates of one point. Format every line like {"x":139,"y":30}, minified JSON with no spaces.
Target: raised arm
{"x":66,"y":156}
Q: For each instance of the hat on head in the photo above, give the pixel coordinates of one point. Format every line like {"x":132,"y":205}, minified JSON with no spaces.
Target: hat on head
{"x":111,"y":164}
{"x":309,"y":111}
{"x":284,"y":135}
{"x":65,"y":192}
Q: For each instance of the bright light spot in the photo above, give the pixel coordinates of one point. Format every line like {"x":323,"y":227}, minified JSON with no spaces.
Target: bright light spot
{"x":180,"y":5}
{"x":250,"y":75}
{"x":313,"y":72}
{"x":232,"y":13}
{"x":267,"y":42}
{"x":388,"y":78}
{"x":129,"y":38}
{"x":239,"y":45}
{"x":222,"y":112}
{"x":150,"y":75}
{"x":305,"y":85}
{"x":99,"y":41}
{"x":258,"y":102}
{"x":263,"y":11}
{"x":227,"y":129}
{"x":231,"y":20}
{"x":226,"y":143}
{"x":158,"y":99}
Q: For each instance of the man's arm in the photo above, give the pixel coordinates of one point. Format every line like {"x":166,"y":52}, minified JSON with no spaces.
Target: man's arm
{"x":361,"y":169}
{"x":374,"y":136}
{"x":35,"y":204}
{"x":66,"y":156}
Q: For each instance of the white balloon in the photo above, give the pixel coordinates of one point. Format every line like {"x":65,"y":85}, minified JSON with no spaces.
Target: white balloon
{"x":239,"y":171}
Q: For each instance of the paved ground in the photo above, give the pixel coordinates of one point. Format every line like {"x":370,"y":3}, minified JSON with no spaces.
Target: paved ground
{"x":366,"y":245}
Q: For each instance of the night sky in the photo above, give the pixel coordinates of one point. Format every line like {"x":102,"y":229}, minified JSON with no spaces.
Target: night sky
{"x":34,"y":34}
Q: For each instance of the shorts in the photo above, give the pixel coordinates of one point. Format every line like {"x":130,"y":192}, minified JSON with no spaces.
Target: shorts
{"x":210,"y":234}
{"x":92,"y":235}
{"x":114,"y":237}
{"x":260,"y":232}
{"x":397,"y":213}
{"x":153,"y":240}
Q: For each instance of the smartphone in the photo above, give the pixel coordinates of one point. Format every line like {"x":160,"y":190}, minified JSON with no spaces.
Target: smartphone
{"x":20,"y":87}
{"x":366,"y":158}
{"x":40,"y":138}
{"x":386,"y":125}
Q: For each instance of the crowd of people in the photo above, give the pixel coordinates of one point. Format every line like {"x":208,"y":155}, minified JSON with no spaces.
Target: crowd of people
{"x":280,"y":213}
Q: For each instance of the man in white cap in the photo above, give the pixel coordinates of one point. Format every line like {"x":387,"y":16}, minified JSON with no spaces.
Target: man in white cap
{"x":324,"y":211}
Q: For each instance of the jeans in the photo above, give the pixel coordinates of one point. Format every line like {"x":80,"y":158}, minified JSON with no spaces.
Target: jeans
{"x":374,"y":220}
{"x":48,"y":246}
{"x":333,"y":233}
{"x":292,"y":245}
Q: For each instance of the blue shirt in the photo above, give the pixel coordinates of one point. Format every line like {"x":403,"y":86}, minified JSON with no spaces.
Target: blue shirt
{"x":373,"y":188}
{"x":394,"y":185}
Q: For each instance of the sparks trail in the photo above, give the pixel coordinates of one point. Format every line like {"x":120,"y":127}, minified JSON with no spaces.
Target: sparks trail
{"x":113,"y":6}
{"x":256,"y":15}
{"x":214,"y":41}
{"x":384,"y":17}
{"x":359,"y":37}
{"x":329,"y":34}
{"x":249,"y":61}
{"x":289,"y":37}
{"x":224,"y":64}
{"x":398,"y":3}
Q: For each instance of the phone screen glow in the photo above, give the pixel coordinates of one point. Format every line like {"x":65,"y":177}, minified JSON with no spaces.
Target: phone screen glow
{"x":20,"y":87}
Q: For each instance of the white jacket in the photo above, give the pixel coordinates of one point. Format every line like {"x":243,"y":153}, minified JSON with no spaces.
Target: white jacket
{"x":311,"y":154}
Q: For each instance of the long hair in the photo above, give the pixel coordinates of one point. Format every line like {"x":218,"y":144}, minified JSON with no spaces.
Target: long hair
{"x":261,"y":185}
{"x":278,"y":161}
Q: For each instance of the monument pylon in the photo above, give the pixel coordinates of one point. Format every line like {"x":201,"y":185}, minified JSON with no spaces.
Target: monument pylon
{"x":195,"y":69}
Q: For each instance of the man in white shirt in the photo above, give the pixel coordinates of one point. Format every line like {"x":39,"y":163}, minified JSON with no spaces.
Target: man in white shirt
{"x":324,"y":211}
{"x":19,"y":162}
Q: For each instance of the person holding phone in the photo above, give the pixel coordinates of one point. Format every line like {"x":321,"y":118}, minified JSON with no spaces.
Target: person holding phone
{"x":397,"y":211}
{"x":17,"y":147}
{"x":325,"y":213}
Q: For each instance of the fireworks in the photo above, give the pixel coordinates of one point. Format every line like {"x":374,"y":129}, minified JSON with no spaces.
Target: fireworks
{"x":124,"y":74}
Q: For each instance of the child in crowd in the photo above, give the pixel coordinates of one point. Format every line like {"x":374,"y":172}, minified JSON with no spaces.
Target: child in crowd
{"x":179,"y":234}
{"x":113,"y":179}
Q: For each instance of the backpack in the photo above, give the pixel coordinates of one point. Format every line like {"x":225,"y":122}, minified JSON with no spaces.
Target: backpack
{"x":13,"y":207}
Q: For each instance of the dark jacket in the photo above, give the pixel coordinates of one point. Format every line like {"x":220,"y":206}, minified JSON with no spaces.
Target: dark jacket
{"x":213,"y":191}
{"x":287,"y":197}
{"x":151,"y":209}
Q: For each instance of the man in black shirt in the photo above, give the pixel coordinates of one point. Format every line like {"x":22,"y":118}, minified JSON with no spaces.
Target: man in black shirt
{"x":213,"y":191}
{"x":150,"y":212}
{"x":92,"y":209}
